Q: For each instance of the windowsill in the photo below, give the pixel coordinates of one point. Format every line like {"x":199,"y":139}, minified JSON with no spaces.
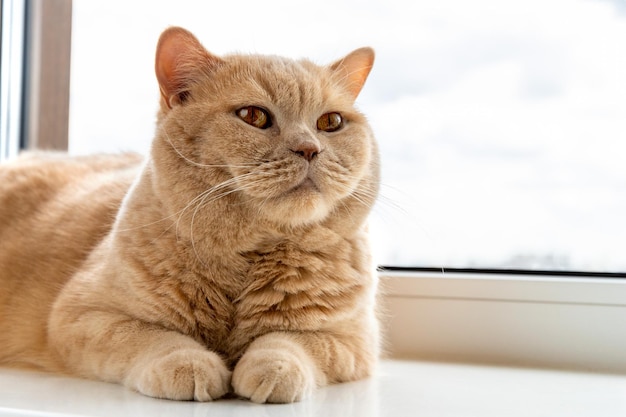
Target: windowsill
{"x":400,"y":389}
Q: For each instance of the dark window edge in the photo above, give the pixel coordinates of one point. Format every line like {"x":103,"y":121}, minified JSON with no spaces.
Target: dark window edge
{"x":491,"y":271}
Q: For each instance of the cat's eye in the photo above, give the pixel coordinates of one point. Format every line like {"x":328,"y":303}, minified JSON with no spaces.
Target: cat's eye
{"x":255,"y":116}
{"x":330,"y":122}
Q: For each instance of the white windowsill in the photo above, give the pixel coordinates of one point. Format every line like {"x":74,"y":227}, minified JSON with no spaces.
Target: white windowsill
{"x":400,"y":388}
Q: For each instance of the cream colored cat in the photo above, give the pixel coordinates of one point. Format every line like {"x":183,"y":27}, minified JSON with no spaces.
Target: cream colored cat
{"x":234,"y":259}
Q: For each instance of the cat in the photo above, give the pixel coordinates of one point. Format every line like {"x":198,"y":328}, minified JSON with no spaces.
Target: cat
{"x":233,"y":260}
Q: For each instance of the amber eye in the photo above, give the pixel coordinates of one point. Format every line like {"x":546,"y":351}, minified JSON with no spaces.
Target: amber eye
{"x":330,"y":122}
{"x":255,"y":116}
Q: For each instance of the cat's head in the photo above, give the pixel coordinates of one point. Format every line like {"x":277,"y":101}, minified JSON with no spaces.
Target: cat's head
{"x":283,"y":135}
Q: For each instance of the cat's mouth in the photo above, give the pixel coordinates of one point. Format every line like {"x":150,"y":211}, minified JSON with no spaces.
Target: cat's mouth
{"x":302,"y":190}
{"x":306,"y":185}
{"x":300,"y":202}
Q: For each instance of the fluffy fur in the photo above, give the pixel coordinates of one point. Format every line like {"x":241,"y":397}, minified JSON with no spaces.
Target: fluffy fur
{"x":233,"y":259}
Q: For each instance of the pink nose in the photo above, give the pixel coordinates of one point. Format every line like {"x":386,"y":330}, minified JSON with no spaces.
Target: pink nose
{"x":307,"y":150}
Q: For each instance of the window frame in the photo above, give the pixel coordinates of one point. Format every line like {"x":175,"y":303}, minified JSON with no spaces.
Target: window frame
{"x":11,"y":76}
{"x":47,"y":74}
{"x":571,"y":322}
{"x":36,"y":47}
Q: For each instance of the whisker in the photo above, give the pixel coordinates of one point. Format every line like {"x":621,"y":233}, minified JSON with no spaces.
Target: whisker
{"x":169,"y":140}
{"x":203,"y":195}
{"x":203,"y":202}
{"x":371,"y":196}
{"x":130,"y":229}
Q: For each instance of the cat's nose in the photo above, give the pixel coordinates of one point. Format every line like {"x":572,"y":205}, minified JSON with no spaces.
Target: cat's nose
{"x":307,"y":149}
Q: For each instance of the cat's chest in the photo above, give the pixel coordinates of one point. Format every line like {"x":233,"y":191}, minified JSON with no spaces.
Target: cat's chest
{"x":201,"y":303}
{"x":290,"y":289}
{"x":212,"y":317}
{"x":285,"y":289}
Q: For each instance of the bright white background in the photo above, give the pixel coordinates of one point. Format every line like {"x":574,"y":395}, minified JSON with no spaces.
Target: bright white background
{"x":502,"y":124}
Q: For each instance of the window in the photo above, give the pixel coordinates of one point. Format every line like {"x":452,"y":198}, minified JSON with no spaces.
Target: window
{"x":501,"y":129}
{"x":501,"y":124}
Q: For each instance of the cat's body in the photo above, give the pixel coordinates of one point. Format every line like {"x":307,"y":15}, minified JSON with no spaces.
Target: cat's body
{"x":235,"y":256}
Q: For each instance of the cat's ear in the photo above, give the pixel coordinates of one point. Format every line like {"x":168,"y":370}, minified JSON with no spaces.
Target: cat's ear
{"x":354,"y":68}
{"x":180,"y":59}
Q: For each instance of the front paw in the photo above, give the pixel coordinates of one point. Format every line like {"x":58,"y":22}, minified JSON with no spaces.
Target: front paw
{"x":186,"y":374}
{"x":274,"y":376}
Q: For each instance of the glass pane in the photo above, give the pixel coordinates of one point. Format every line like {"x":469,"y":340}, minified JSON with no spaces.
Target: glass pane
{"x":11,"y":67}
{"x":501,"y":124}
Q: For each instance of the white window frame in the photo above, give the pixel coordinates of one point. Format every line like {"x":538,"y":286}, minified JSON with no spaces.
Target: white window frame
{"x":571,"y":322}
{"x":11,"y":85}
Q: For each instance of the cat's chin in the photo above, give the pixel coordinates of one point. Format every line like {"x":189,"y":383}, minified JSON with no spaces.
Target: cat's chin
{"x":302,"y":205}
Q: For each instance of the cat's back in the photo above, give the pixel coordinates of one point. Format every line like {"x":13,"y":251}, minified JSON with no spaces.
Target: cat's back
{"x":54,"y":210}
{"x":35,"y":180}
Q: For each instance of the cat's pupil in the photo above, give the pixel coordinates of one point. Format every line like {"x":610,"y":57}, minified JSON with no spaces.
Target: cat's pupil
{"x":255,"y":116}
{"x":330,"y":122}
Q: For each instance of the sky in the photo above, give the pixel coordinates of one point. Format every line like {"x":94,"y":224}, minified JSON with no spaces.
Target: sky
{"x":501,"y":124}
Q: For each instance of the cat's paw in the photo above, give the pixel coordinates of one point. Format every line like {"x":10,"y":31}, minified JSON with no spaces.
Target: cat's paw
{"x":186,"y":374}
{"x":273,"y":376}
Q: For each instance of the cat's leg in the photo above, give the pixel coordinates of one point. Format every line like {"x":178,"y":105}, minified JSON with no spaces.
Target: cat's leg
{"x":144,"y":357}
{"x":284,"y":367}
